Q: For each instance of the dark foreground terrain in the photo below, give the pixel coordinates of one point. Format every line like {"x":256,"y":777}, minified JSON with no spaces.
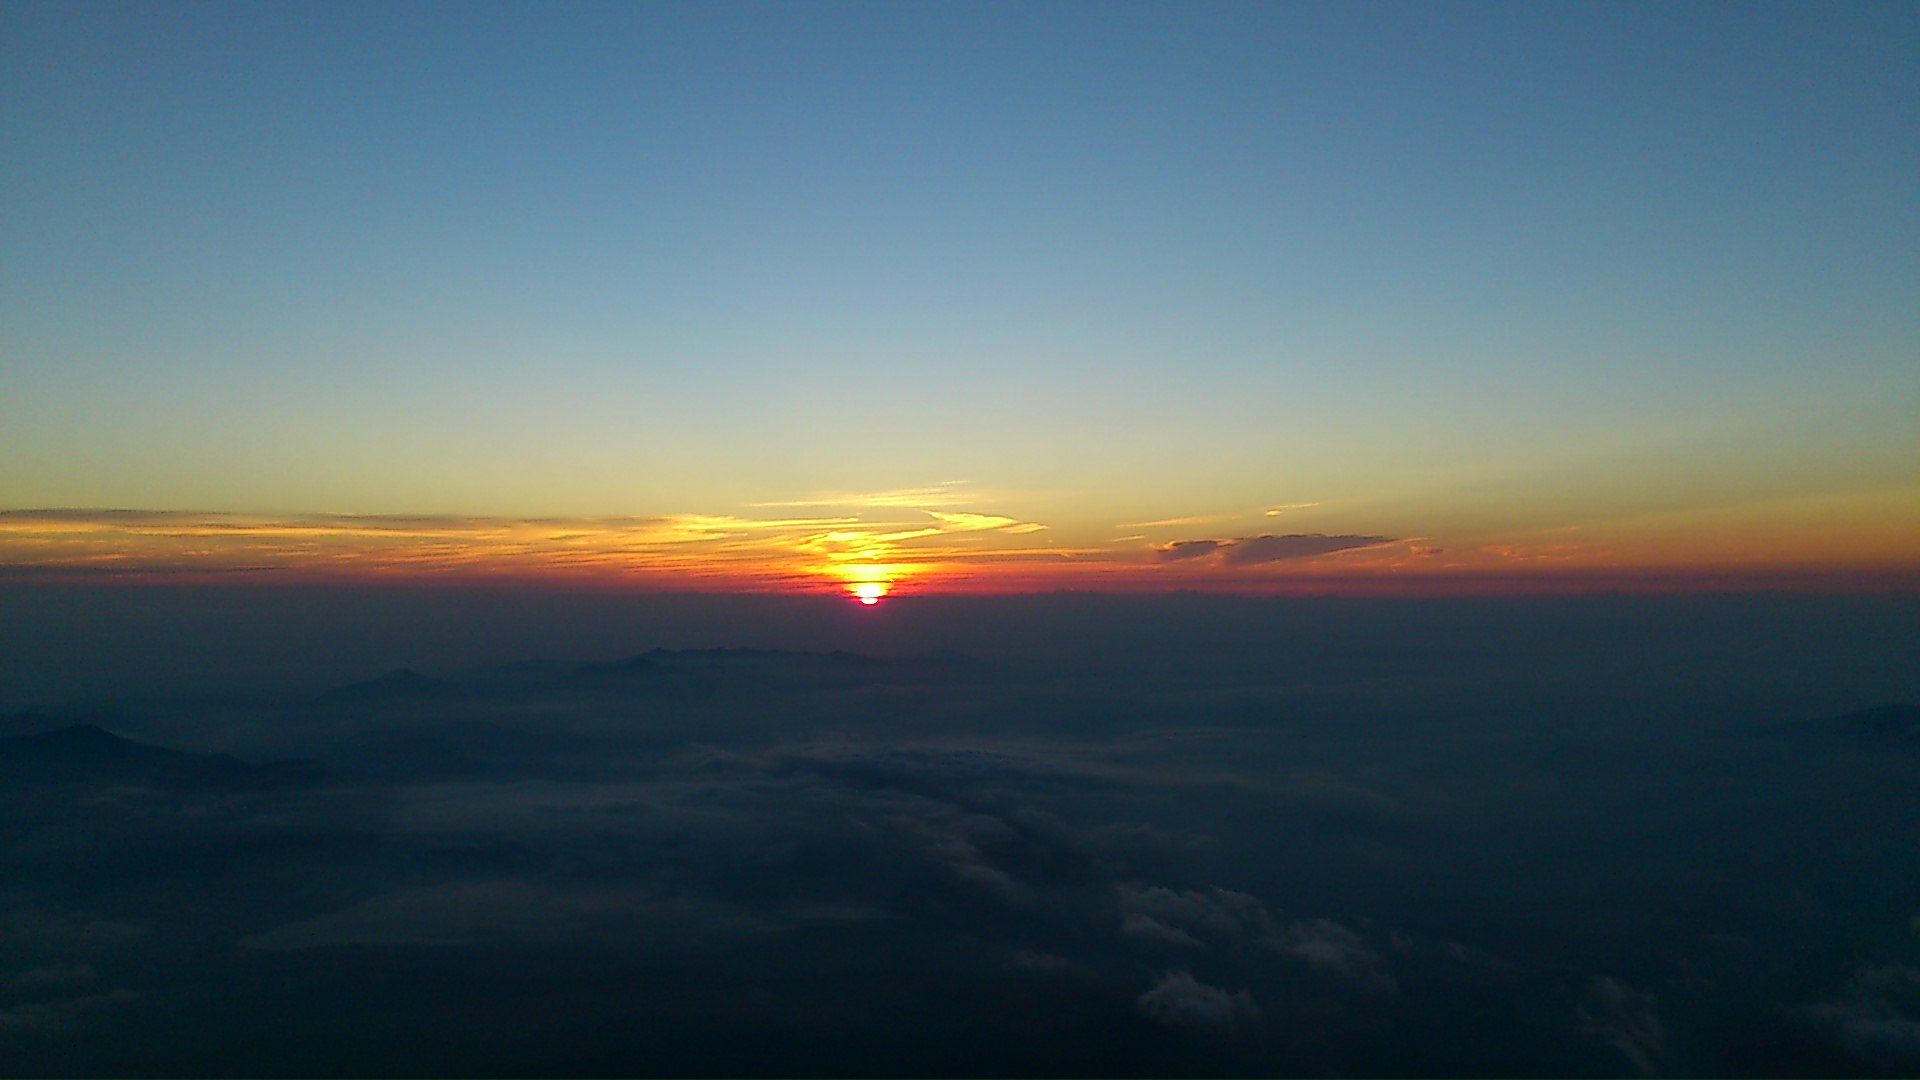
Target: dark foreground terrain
{"x":1336,"y":841}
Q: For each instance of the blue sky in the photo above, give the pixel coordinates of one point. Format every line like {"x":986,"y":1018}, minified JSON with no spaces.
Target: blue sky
{"x":1428,"y":267}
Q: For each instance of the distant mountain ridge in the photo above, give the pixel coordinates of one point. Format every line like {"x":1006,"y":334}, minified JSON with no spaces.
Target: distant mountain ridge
{"x":395,"y":685}
{"x":661,"y":668}
{"x":87,"y":753}
{"x":1897,"y":725}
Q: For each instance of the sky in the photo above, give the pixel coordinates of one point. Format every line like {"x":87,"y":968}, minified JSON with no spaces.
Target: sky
{"x":963,"y":297}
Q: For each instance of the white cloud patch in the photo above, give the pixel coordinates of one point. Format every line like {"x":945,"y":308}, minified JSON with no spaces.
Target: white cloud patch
{"x":1332,"y":949}
{"x":1193,"y":918}
{"x":60,"y":1017}
{"x":1877,"y":1017}
{"x":1218,"y":913}
{"x":1626,"y":1020}
{"x":946,"y":493}
{"x":1148,"y":928}
{"x":964,"y":522}
{"x":1175,"y":522}
{"x":993,"y":880}
{"x":51,"y":977}
{"x":1179,"y":1000}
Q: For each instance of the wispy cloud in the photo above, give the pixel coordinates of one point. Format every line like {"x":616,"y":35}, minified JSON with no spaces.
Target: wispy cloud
{"x":1180,"y":550}
{"x":1269,"y":548}
{"x":677,"y":549}
{"x":1175,"y":522}
{"x":1265,"y":548}
{"x":1211,"y":519}
{"x":945,"y":493}
{"x":978,"y":522}
{"x":962,"y":548}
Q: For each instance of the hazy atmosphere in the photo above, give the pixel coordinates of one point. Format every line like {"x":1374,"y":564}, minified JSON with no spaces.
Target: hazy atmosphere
{"x":959,"y":539}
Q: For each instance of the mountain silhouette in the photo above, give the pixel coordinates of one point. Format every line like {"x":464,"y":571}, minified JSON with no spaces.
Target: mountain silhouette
{"x":1882,"y":725}
{"x":87,"y":753}
{"x":400,"y":684}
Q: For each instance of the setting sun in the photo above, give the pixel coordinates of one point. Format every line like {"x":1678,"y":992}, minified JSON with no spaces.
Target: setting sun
{"x":869,"y":592}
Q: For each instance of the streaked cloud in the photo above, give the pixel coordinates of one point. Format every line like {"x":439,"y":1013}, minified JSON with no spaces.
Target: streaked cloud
{"x":1212,"y":519}
{"x":1265,"y":548}
{"x":1269,"y":548}
{"x":679,"y":550}
{"x":945,"y":493}
{"x":1187,"y":549}
{"x":977,"y":548}
{"x":978,"y":522}
{"x":1174,"y":522}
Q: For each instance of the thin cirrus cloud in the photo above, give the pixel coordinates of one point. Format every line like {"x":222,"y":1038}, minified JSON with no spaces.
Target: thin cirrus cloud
{"x":960,"y":550}
{"x":676,"y":548}
{"x":1265,"y":548}
{"x":1175,"y":522}
{"x":945,"y":493}
{"x":979,"y":522}
{"x":1210,"y":519}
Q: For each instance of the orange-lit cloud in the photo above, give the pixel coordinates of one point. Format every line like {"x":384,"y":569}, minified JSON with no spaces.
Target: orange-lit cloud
{"x":1265,"y":548}
{"x":1187,"y":520}
{"x":1176,"y":522}
{"x":978,"y":522}
{"x":908,"y":549}
{"x":945,"y":493}
{"x":682,"y":550}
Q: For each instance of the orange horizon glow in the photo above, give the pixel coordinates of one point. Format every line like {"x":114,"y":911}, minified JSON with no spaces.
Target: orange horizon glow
{"x":950,"y":553}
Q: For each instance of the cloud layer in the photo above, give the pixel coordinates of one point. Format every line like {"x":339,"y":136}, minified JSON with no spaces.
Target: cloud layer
{"x":1265,"y":548}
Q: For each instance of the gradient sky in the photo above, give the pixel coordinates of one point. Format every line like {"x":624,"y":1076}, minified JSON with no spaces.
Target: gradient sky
{"x":968,"y":296}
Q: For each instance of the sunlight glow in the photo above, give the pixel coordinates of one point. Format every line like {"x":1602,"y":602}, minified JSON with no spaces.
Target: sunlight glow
{"x":869,"y":592}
